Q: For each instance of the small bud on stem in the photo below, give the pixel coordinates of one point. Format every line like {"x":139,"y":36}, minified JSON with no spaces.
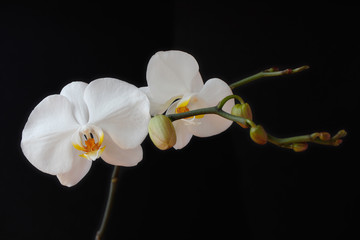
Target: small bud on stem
{"x":299,"y":147}
{"x":324,"y":136}
{"x":258,"y":135}
{"x":162,"y":132}
{"x":242,"y":110}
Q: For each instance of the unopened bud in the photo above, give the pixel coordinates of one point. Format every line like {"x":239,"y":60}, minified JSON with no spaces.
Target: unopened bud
{"x":299,"y":147}
{"x":258,"y":134}
{"x":337,"y":142}
{"x":242,"y":110}
{"x":340,"y":134}
{"x":315,"y":135}
{"x":324,"y":136}
{"x":162,"y":132}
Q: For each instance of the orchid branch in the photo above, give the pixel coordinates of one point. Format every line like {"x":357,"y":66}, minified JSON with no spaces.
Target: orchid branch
{"x":259,"y":135}
{"x":109,"y":203}
{"x":241,"y":114}
{"x":271,"y":72}
{"x":323,"y":138}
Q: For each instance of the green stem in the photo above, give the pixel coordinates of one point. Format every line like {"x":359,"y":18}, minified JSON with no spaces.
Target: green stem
{"x":202,"y":111}
{"x":233,"y":117}
{"x":222,"y":102}
{"x":109,"y":203}
{"x":285,"y":141}
{"x":312,"y":138}
{"x":322,"y":138}
{"x":267,"y":73}
{"x":210,"y":110}
{"x":281,"y":142}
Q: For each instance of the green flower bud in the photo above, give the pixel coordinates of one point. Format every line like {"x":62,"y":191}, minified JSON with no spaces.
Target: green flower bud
{"x":242,"y":110}
{"x":337,"y":142}
{"x":342,"y":133}
{"x":258,"y":135}
{"x":162,"y":132}
{"x":324,"y":136}
{"x":299,"y":147}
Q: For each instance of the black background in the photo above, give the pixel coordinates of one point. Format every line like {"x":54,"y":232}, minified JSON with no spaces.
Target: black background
{"x":224,"y":187}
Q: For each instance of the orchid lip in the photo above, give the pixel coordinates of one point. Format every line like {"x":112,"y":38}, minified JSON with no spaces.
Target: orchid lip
{"x":89,"y":139}
{"x":184,"y":106}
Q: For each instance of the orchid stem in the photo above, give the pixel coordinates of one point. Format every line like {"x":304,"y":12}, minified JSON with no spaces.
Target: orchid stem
{"x":211,"y":110}
{"x":271,"y":72}
{"x":294,"y":143}
{"x":109,"y":203}
{"x":222,"y":102}
{"x":317,"y":138}
{"x":201,"y":111}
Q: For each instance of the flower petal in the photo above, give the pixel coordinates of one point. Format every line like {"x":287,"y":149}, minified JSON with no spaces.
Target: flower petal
{"x":183,"y":135}
{"x":120,"y":109}
{"x":171,"y":74}
{"x":212,"y":93}
{"x":156,"y":107}
{"x":46,"y":138}
{"x":75,"y":93}
{"x":115,"y":155}
{"x":80,"y":168}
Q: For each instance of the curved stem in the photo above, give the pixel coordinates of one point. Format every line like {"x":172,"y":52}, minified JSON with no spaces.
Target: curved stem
{"x":222,"y":102}
{"x":322,"y":138}
{"x":109,"y":203}
{"x":202,"y":111}
{"x":271,"y":72}
{"x":232,"y":117}
{"x":210,"y":110}
{"x":313,"y":138}
{"x":317,"y":138}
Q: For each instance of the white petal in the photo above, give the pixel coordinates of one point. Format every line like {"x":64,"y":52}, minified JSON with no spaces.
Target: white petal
{"x":156,"y":107}
{"x":120,"y":109}
{"x":115,"y":155}
{"x":46,"y":138}
{"x":80,"y":168}
{"x":212,"y":93}
{"x":183,"y":135}
{"x":210,"y":125}
{"x":171,"y":74}
{"x":75,"y":93}
{"x":172,"y":107}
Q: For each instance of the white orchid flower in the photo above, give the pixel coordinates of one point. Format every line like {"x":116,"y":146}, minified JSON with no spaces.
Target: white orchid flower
{"x":175,"y":84}
{"x":66,"y":132}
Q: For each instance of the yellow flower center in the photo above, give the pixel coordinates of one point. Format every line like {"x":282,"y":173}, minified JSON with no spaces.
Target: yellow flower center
{"x":183,"y":107}
{"x":89,"y":140}
{"x":90,"y":145}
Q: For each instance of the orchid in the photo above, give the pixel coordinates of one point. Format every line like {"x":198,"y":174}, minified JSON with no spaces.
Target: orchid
{"x":176,"y":86}
{"x":65,"y":132}
{"x":110,"y":118}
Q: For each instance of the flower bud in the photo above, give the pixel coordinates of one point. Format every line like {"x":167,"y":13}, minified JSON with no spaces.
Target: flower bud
{"x":342,"y":133}
{"x":299,"y":147}
{"x":258,"y":134}
{"x":325,"y":136}
{"x":162,"y":132}
{"x":242,"y":110}
{"x":337,"y":142}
